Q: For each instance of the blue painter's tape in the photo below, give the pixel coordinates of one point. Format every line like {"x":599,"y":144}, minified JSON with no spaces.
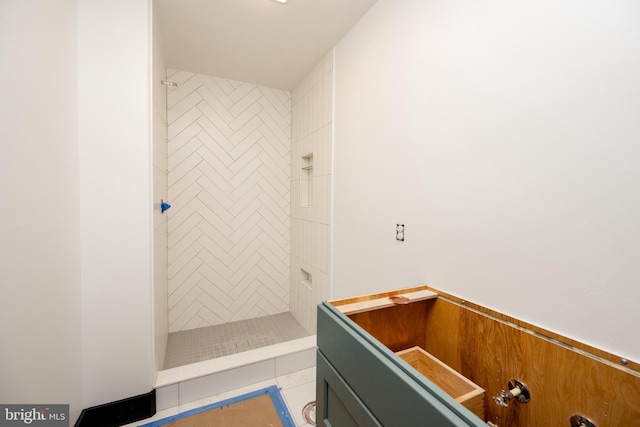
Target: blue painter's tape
{"x":273,"y":392}
{"x":281,"y":408}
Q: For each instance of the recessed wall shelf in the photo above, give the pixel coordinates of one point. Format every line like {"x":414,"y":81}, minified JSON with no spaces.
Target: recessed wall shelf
{"x":306,"y":180}
{"x":306,"y":278}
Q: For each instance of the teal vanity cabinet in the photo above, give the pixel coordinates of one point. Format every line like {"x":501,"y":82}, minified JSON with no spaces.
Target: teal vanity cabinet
{"x":361,"y":382}
{"x":421,"y":357}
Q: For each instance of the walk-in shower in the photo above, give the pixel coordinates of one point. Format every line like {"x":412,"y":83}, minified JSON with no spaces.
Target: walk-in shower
{"x":228,"y":181}
{"x":242,"y":255}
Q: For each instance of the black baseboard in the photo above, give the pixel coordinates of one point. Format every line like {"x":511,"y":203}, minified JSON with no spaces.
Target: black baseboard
{"x":119,"y":413}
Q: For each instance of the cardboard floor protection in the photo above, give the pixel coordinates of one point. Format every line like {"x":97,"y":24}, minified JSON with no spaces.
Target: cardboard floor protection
{"x":257,"y":412}
{"x":263,"y":408}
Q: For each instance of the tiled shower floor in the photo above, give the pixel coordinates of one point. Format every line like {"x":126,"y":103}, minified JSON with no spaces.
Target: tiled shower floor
{"x":197,"y":345}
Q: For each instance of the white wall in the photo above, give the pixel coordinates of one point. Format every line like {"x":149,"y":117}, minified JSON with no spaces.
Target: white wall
{"x":504,"y":135}
{"x":310,"y":225}
{"x":160,"y":263}
{"x":40,"y":307}
{"x":114,"y":42}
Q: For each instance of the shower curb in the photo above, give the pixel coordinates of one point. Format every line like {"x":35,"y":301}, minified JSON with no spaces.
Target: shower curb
{"x":177,"y":386}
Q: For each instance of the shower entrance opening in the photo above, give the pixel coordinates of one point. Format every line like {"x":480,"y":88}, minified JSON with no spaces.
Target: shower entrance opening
{"x":229,"y":226}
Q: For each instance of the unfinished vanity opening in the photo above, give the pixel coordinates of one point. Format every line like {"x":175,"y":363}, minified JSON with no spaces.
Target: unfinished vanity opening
{"x":397,"y":320}
{"x":455,"y":343}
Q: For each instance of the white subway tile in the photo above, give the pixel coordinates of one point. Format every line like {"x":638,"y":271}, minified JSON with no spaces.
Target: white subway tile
{"x":328,"y":61}
{"x":328,"y":145}
{"x":167,"y":397}
{"x":307,"y":242}
{"x":326,"y":245}
{"x":317,"y":108}
{"x":225,"y":381}
{"x":328,"y":98}
{"x":295,"y":362}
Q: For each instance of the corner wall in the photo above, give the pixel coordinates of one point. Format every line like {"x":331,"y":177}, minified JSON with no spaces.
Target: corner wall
{"x":116,"y":223}
{"x":311,"y":169}
{"x":40,"y":307}
{"x":160,"y":260}
{"x":504,"y":136}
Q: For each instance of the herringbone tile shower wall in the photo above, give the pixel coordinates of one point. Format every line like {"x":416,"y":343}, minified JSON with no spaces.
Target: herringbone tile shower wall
{"x":229,"y":185}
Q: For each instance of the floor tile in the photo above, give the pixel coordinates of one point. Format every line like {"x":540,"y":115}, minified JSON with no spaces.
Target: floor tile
{"x":297,"y":397}
{"x":297,"y":378}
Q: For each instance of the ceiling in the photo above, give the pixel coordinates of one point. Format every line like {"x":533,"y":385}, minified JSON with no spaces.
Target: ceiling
{"x":256,"y":41}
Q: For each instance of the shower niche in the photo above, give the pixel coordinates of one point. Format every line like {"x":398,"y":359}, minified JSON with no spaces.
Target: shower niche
{"x":306,"y":181}
{"x":515,"y":374}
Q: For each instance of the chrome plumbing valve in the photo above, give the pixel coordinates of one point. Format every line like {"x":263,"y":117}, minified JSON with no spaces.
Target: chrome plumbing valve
{"x":516,"y":389}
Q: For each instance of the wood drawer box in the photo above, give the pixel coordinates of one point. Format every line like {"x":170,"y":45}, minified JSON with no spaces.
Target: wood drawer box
{"x":464,"y":391}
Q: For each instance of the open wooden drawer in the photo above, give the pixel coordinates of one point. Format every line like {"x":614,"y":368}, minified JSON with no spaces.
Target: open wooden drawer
{"x":463,"y":390}
{"x":368,"y":373}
